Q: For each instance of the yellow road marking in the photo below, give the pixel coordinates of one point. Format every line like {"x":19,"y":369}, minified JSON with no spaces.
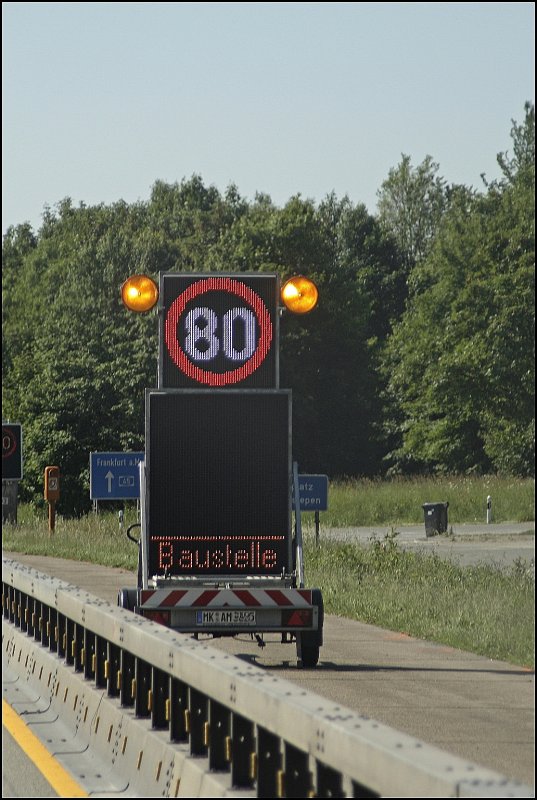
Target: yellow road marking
{"x":55,"y":774}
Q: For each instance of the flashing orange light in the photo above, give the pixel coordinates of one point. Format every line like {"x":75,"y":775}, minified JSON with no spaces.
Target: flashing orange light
{"x":299,"y":295}
{"x":139,"y":293}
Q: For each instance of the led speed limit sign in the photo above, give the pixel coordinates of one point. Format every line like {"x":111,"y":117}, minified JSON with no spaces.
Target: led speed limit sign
{"x":12,"y":451}
{"x":218,"y":331}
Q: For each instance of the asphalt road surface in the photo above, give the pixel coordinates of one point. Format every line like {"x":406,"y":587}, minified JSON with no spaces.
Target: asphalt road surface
{"x":494,"y":544}
{"x":20,"y":778}
{"x":476,"y":708}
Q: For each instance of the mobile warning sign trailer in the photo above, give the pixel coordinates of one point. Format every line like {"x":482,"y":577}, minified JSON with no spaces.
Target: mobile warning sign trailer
{"x":218,"y":551}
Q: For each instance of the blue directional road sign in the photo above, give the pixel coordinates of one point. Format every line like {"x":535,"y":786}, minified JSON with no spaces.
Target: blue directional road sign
{"x":115,"y":476}
{"x":313,"y":492}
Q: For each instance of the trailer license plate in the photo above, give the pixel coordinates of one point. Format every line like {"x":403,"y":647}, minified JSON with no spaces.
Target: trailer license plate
{"x":221,"y":617}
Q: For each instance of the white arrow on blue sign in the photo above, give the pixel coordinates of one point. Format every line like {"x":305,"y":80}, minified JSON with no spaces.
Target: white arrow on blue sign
{"x":115,"y":476}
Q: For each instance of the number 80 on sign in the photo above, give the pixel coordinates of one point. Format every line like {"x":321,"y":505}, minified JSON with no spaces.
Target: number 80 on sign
{"x":218,"y":332}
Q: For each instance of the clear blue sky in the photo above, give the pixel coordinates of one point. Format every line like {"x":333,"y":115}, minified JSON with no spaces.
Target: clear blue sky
{"x":100,"y":100}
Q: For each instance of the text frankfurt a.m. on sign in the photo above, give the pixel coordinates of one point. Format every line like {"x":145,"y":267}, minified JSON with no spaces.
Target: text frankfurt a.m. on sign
{"x":115,"y":476}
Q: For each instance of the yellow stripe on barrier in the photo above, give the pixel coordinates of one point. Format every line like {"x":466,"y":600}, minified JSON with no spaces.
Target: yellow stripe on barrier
{"x":54,"y":773}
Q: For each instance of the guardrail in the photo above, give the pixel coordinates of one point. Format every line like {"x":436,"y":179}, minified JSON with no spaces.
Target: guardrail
{"x":156,"y":705}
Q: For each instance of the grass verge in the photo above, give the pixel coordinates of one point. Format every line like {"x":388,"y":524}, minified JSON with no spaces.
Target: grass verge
{"x":399,"y":501}
{"x":481,"y":609}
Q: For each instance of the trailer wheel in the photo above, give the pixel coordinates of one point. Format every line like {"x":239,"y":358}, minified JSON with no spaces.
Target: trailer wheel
{"x":309,"y":643}
{"x":307,"y":651}
{"x":126,"y":598}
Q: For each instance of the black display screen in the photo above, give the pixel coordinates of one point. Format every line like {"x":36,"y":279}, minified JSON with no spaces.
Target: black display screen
{"x":219,"y":480}
{"x":218,"y":331}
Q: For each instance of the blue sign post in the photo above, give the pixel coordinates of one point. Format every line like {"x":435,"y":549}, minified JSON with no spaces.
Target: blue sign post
{"x":115,"y":476}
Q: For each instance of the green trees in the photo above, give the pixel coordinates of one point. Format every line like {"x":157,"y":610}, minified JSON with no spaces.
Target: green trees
{"x":411,"y":203}
{"x":461,"y":359}
{"x":419,"y":356}
{"x":76,"y":362}
{"x":76,"y":365}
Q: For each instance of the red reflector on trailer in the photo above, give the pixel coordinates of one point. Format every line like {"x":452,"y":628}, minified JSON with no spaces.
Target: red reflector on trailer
{"x":297,"y":618}
{"x":162,"y":617}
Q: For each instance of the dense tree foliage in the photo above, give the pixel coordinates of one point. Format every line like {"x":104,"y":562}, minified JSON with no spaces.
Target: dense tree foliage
{"x":418,"y":356}
{"x":411,"y":204}
{"x":461,"y":360}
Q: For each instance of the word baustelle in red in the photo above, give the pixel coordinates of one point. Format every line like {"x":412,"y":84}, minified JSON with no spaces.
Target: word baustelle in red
{"x":199,"y":553}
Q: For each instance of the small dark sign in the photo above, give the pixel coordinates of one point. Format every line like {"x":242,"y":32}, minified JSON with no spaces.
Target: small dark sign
{"x":11,"y":452}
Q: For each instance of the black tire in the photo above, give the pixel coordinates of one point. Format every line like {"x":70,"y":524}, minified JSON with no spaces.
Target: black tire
{"x":317,"y":597}
{"x":127,"y":598}
{"x":309,"y":653}
{"x":308,"y":643}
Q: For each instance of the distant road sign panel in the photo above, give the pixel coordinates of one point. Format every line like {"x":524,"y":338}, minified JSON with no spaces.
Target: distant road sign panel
{"x":313,"y":492}
{"x":115,"y":476}
{"x":11,"y":451}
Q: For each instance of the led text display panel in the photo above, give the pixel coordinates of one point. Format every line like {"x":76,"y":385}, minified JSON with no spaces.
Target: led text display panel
{"x":219,"y":473}
{"x":218,"y":331}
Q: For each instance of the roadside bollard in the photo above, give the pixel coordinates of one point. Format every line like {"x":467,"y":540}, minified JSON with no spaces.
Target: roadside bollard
{"x":489,"y":509}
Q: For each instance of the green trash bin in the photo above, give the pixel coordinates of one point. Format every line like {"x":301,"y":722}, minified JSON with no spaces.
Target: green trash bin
{"x":436,"y":518}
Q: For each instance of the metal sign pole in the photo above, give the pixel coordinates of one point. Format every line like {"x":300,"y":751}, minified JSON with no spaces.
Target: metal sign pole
{"x":51,"y":517}
{"x":298,"y":521}
{"x":9,"y":501}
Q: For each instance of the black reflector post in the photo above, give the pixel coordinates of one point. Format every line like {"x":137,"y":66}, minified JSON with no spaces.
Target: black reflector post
{"x":219,"y":477}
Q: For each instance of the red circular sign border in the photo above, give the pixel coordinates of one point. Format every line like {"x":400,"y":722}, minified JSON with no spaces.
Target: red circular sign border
{"x":218,"y":378}
{"x":14,"y":445}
